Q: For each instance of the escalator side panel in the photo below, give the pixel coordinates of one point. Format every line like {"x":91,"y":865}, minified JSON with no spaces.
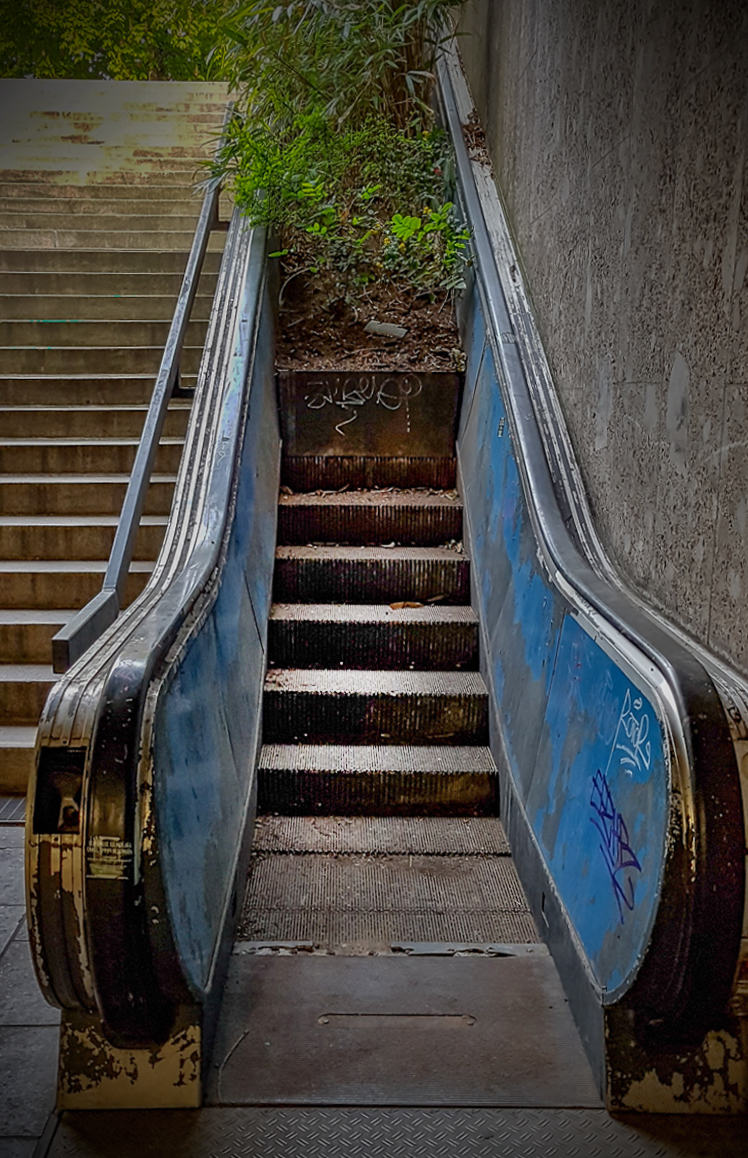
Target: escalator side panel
{"x":583,"y":743}
{"x":207,"y":721}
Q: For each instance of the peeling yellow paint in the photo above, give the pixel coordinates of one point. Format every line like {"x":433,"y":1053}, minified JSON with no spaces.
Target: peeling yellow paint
{"x":95,"y":1075}
{"x":723,"y":1089}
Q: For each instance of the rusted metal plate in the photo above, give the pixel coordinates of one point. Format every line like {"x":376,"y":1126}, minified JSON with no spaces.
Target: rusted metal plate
{"x":376,"y":413}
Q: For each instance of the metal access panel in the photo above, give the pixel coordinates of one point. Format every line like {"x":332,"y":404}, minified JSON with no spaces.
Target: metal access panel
{"x":374,"y":413}
{"x":392,"y":1031}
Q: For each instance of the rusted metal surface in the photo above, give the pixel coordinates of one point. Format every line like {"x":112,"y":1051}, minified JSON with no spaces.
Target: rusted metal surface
{"x":334,"y":471}
{"x":386,"y":780}
{"x":374,"y":413}
{"x":370,"y":575}
{"x":350,"y":636}
{"x":412,"y":517}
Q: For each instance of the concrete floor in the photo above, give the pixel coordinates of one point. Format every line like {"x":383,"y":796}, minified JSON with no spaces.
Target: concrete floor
{"x":28,"y":1026}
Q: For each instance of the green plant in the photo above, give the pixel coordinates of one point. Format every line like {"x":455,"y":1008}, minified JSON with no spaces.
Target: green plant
{"x":116,"y":39}
{"x":334,"y":146}
{"x":345,"y":198}
{"x":347,"y":58}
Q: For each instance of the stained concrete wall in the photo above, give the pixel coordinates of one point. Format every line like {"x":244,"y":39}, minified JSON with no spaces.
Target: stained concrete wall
{"x":618,"y":132}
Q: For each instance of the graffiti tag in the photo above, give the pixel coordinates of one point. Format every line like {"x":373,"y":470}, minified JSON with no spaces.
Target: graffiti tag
{"x":620,"y":859}
{"x":632,"y":734}
{"x":391,"y":393}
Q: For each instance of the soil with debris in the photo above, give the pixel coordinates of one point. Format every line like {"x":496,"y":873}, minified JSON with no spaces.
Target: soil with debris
{"x":475,"y":139}
{"x":319,"y":329}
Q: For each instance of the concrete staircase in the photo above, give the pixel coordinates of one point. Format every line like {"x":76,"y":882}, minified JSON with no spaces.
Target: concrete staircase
{"x":97,"y":216}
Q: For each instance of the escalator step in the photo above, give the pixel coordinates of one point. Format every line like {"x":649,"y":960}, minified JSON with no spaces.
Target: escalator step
{"x":416,"y":517}
{"x":329,"y":574}
{"x":375,"y":707}
{"x":331,"y":634}
{"x":379,"y":780}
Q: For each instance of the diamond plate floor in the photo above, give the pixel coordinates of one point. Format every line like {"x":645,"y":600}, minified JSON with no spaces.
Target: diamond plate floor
{"x":243,"y":1132}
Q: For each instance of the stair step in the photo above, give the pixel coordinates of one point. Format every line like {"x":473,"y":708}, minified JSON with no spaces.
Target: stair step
{"x":370,"y":574}
{"x":26,"y":635}
{"x":375,"y":707}
{"x":95,"y":307}
{"x":421,"y":518}
{"x":99,"y":283}
{"x":313,"y":472}
{"x":74,"y":536}
{"x":90,"y":360}
{"x":23,"y":691}
{"x":88,"y":421}
{"x":66,"y":237}
{"x":87,"y":494}
{"x":58,"y":456}
{"x":32,"y":189}
{"x":60,"y":219}
{"x":65,"y":334}
{"x":377,"y":780}
{"x":61,"y":583}
{"x":96,"y":260}
{"x":324,"y":635}
{"x":80,"y":389}
{"x":41,"y":199}
{"x":16,"y":757}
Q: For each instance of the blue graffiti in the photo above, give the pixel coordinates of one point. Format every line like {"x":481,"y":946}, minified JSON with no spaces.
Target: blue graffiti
{"x":617,"y":852}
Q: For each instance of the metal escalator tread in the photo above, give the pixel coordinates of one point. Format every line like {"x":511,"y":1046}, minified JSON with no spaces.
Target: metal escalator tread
{"x":363,"y":884}
{"x":422,"y":835}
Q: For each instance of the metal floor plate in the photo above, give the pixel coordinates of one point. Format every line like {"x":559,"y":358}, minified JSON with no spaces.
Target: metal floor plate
{"x":397,"y":1031}
{"x":244,"y":1132}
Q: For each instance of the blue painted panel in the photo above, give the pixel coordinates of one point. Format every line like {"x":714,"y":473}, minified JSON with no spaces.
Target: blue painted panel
{"x":207,"y":725}
{"x":584,"y":747}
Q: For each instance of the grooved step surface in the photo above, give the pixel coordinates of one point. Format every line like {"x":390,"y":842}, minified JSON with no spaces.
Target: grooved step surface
{"x":365,"y":636}
{"x":367,"y":707}
{"x":391,"y":1132}
{"x":364,"y":901}
{"x":387,"y":779}
{"x":315,"y":472}
{"x":328,"y":574}
{"x":381,"y":836}
{"x":361,"y":517}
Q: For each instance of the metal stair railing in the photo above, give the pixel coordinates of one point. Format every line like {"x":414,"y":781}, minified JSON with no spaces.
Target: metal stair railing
{"x":70,"y":643}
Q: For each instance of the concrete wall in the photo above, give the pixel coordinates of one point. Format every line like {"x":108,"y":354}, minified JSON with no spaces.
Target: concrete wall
{"x":618,"y":132}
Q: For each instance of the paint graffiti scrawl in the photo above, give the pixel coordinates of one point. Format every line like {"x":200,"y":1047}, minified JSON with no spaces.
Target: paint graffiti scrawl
{"x":620,"y":859}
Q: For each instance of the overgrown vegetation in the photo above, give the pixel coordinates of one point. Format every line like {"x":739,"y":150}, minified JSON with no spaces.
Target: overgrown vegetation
{"x":114,"y":39}
{"x":335,"y":147}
